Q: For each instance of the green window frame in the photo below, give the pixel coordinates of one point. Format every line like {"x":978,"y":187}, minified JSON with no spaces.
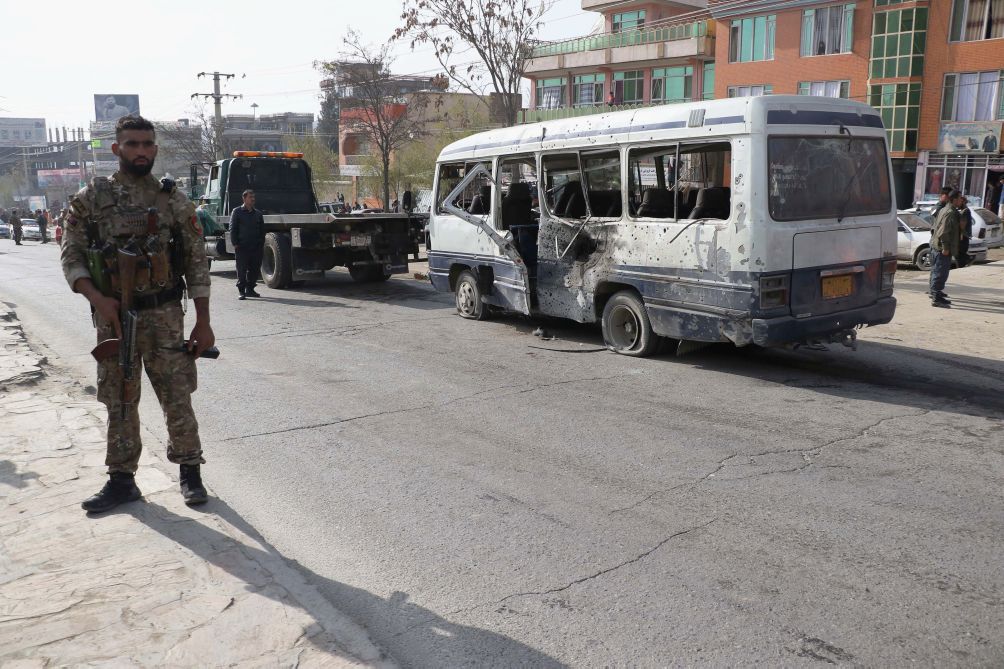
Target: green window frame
{"x":899,"y":40}
{"x":973,"y":96}
{"x":632,"y":86}
{"x":899,"y":106}
{"x":829,"y":89}
{"x":624,"y":21}
{"x":975,"y":20}
{"x":551,"y":93}
{"x":587,"y":90}
{"x":708,"y":81}
{"x":827,"y":30}
{"x":673,"y":84}
{"x":752,"y":39}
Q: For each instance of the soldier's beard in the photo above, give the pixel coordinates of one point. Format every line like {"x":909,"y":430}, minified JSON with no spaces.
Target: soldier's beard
{"x":132,"y":168}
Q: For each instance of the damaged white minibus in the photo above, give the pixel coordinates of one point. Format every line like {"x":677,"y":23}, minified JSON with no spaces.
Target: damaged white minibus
{"x":767,"y":220}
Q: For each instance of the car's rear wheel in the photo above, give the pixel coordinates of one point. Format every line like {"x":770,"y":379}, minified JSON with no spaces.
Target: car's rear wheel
{"x":922,"y":259}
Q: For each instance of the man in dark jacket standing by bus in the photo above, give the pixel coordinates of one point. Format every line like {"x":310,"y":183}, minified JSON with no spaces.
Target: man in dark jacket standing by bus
{"x":944,"y":245}
{"x":247,"y":234}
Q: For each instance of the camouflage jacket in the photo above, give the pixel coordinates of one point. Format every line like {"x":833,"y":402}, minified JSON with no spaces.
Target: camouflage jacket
{"x":117,"y":207}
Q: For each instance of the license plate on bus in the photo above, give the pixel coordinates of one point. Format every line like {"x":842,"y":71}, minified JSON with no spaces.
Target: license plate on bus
{"x":837,"y":286}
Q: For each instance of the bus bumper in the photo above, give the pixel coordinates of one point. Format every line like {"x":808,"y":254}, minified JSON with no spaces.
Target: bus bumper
{"x":789,"y":330}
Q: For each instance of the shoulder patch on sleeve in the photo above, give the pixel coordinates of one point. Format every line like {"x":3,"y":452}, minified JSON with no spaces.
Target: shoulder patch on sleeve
{"x":196,"y":226}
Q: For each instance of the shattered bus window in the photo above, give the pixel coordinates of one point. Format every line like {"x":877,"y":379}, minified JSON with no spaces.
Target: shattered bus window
{"x":827,"y":177}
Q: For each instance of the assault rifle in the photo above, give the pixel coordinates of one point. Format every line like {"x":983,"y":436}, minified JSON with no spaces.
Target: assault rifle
{"x":127,"y":261}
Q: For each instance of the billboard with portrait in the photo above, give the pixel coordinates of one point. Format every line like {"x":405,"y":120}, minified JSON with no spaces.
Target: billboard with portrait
{"x":109,"y":107}
{"x":979,"y":137}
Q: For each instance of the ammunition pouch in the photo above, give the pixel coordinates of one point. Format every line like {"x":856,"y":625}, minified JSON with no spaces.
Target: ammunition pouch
{"x":100,"y":274}
{"x":173,"y":294}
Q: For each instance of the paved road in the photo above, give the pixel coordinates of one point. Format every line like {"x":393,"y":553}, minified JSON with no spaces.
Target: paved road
{"x":474,"y":495}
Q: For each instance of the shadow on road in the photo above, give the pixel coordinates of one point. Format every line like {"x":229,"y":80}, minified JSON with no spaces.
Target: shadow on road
{"x":906,"y":376}
{"x":397,"y":291}
{"x":435,"y":640}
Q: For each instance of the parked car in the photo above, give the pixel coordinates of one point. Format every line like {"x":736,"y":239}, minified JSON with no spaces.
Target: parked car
{"x":4,"y":230}
{"x":332,"y":207}
{"x":913,"y":240}
{"x":988,"y":227}
{"x":29,"y":230}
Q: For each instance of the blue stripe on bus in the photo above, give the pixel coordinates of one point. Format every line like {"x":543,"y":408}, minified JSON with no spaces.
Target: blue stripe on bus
{"x":789,"y":117}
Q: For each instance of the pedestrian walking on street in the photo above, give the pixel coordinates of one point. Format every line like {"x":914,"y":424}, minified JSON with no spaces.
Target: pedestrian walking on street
{"x":963,"y":258}
{"x":109,"y":211}
{"x":16,"y":229}
{"x":43,"y":223}
{"x":247,"y":234}
{"x":945,"y":239}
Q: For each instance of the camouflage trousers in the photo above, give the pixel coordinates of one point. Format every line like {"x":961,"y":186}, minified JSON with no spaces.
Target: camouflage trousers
{"x":173,"y":377}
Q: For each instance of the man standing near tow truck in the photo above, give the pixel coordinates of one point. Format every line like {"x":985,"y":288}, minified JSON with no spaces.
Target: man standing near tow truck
{"x":247,"y":234}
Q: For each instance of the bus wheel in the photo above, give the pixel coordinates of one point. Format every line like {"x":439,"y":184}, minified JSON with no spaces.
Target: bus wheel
{"x":626,"y":328}
{"x":469,"y":304}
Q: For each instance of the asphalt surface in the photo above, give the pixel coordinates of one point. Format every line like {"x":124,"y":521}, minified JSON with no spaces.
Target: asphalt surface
{"x":474,"y":495}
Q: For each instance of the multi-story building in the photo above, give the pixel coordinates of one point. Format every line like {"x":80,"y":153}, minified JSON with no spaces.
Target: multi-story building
{"x":647,"y":52}
{"x":931,"y":67}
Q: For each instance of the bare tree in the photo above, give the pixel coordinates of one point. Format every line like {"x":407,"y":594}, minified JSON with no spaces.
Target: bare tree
{"x":377,"y":111}
{"x":500,"y":32}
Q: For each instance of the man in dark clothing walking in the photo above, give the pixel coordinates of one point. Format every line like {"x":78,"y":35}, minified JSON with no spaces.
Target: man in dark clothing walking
{"x":944,"y":244}
{"x":16,"y":228}
{"x":247,"y":234}
{"x":42,"y":223}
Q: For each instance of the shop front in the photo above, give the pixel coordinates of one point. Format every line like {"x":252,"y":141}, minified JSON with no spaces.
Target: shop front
{"x":968,"y":158}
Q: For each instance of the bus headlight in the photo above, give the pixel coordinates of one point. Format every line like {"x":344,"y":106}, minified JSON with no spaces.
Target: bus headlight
{"x":773,"y":291}
{"x":888,"y":274}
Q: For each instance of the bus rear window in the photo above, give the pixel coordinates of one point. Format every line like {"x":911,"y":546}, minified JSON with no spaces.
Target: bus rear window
{"x":827,"y":177}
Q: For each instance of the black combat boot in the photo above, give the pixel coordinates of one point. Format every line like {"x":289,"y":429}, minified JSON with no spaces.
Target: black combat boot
{"x":120,"y":488}
{"x":191,"y":485}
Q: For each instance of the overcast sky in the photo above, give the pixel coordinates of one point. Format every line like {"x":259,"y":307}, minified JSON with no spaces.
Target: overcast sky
{"x":68,"y":51}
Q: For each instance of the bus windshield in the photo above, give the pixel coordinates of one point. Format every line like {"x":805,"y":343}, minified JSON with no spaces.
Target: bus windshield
{"x":827,"y":177}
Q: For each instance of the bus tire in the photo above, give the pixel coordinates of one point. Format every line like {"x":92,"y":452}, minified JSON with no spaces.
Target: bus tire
{"x":626,"y":328}
{"x":468,"y":296}
{"x":277,"y":261}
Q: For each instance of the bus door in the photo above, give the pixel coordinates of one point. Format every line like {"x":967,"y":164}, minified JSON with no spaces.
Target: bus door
{"x":498,"y":265}
{"x":580,"y":197}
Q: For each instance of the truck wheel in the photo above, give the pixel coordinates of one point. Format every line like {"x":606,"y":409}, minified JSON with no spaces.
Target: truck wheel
{"x":367,"y":273}
{"x":626,"y":328}
{"x":469,"y":304}
{"x":277,"y":261}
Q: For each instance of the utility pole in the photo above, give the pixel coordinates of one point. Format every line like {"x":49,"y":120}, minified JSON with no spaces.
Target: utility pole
{"x":217,"y":97}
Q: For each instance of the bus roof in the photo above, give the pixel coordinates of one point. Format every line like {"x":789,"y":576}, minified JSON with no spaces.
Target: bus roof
{"x":732,"y":115}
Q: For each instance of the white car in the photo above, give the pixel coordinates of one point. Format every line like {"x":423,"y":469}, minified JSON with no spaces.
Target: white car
{"x":988,"y":227}
{"x":29,"y":230}
{"x":913,"y":240}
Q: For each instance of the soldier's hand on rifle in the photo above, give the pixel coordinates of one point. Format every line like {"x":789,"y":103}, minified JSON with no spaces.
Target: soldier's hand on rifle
{"x":107,"y":307}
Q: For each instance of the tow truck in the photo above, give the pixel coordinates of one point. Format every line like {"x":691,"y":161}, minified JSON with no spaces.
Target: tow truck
{"x":301,"y":241}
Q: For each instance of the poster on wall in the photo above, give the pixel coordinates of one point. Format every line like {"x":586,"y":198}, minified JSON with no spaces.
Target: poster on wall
{"x":981,"y":137}
{"x":110,"y":107}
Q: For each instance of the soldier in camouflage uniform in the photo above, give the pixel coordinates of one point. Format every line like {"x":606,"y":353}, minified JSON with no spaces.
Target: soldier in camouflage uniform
{"x":114,"y":211}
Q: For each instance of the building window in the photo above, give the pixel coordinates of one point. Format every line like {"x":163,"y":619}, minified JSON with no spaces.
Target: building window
{"x":750,"y":91}
{"x":825,"y":89}
{"x":972,"y":96}
{"x":628,"y":21}
{"x":551,"y":93}
{"x":672,"y":84}
{"x":899,"y":105}
{"x":899,"y":38}
{"x":708,"y":81}
{"x":629,"y":87}
{"x":827,"y":30}
{"x":752,"y":39}
{"x":587,"y":90}
{"x":976,"y":20}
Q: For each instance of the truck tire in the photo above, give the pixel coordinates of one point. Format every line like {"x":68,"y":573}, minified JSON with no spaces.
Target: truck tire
{"x":277,"y":261}
{"x":367,"y":273}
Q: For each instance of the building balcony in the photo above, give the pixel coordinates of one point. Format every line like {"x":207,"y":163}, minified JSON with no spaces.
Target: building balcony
{"x":537,"y":115}
{"x":681,"y":40}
